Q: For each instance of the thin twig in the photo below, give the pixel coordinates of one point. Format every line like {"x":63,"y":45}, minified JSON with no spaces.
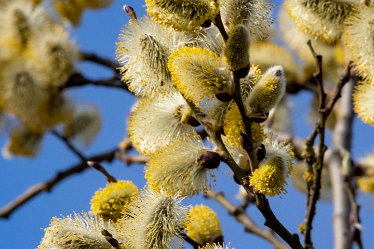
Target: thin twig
{"x":240,"y":215}
{"x":190,"y":241}
{"x":77,"y":80}
{"x":219,"y":24}
{"x":70,"y":146}
{"x":48,"y":185}
{"x":102,"y":170}
{"x":100,"y":60}
{"x":315,"y":164}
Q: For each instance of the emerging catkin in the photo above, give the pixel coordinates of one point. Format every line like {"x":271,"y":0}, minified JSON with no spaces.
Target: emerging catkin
{"x":266,"y":93}
{"x":237,"y":51}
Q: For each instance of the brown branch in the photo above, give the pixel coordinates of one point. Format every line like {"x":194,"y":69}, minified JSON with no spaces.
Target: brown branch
{"x":92,"y":57}
{"x":315,"y":164}
{"x":124,"y":156}
{"x":190,"y":241}
{"x":70,"y":146}
{"x":219,"y":24}
{"x":272,"y":222}
{"x":240,"y":215}
{"x":77,"y":80}
{"x":48,"y":185}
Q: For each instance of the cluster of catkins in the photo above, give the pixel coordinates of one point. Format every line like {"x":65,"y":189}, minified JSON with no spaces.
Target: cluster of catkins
{"x":188,"y":63}
{"x":37,"y":58}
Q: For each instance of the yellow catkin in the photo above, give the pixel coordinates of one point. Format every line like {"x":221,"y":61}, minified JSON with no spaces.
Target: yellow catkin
{"x":363,"y":101}
{"x":267,"y":92}
{"x":358,"y":38}
{"x":233,"y":126}
{"x":197,"y":73}
{"x":202,"y":225}
{"x":321,"y":19}
{"x":110,"y":201}
{"x":182,"y":15}
{"x":269,"y":179}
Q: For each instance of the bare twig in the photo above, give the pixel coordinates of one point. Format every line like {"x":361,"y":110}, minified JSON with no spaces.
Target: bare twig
{"x":48,"y":185}
{"x":70,"y":146}
{"x":100,"y":60}
{"x":190,"y":241}
{"x":133,"y":159}
{"x":315,"y":164}
{"x":77,"y":79}
{"x":219,"y":24}
{"x":240,"y":215}
{"x":102,"y":170}
{"x":124,"y":156}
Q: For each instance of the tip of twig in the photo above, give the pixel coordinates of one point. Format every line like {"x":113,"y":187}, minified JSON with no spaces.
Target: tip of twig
{"x":101,"y":169}
{"x":130,"y":11}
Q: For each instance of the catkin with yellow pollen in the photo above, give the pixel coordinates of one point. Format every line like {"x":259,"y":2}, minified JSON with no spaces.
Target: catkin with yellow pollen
{"x":110,"y":201}
{"x":153,"y":221}
{"x":323,"y":19}
{"x":270,"y":176}
{"x":200,"y":75}
{"x":266,"y":93}
{"x":237,"y":51}
{"x":233,"y":126}
{"x":197,"y":72}
{"x":358,"y":38}
{"x":178,"y":169}
{"x":143,"y":50}
{"x":363,"y":101}
{"x":253,"y":14}
{"x":182,"y":15}
{"x":159,"y":121}
{"x":78,"y":231}
{"x":202,"y":225}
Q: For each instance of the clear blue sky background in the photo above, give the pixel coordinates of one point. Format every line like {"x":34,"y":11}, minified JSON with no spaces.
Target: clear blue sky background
{"x":98,"y":33}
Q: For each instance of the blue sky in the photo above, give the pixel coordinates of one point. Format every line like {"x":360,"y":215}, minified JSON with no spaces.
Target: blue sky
{"x":98,"y":33}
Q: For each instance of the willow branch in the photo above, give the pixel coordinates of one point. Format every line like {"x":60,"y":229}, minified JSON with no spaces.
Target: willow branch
{"x":190,"y":241}
{"x":70,"y":146}
{"x":239,"y":214}
{"x":342,"y":136}
{"x":77,"y":80}
{"x":48,"y":185}
{"x":219,"y":24}
{"x":92,"y":57}
{"x":315,"y":164}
